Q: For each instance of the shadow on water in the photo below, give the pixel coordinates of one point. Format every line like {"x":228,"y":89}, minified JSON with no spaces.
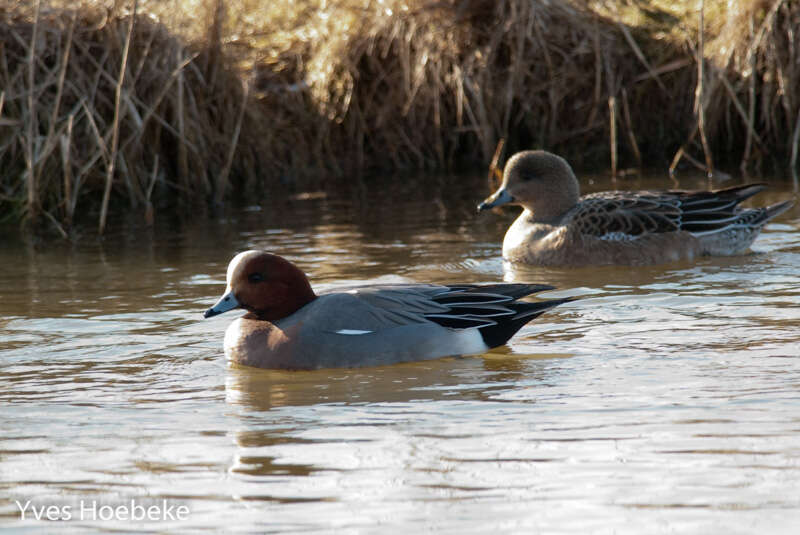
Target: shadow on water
{"x":464,"y":378}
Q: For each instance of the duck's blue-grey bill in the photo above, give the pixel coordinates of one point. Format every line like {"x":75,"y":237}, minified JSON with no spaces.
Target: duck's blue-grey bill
{"x":500,"y":197}
{"x":226,"y":302}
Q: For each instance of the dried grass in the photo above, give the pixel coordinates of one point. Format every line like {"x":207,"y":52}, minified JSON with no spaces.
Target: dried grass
{"x":97,"y":113}
{"x":289,"y":94}
{"x":422,"y":84}
{"x":755,"y":83}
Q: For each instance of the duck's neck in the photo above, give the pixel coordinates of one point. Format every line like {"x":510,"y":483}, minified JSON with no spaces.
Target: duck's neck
{"x":554,"y":198}
{"x":543,"y":215}
{"x":286,"y":297}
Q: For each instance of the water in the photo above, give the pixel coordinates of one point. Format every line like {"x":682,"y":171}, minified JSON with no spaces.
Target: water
{"x":666,"y":399}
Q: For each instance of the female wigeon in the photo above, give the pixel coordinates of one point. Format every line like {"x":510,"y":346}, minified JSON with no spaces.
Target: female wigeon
{"x":559,"y":227}
{"x":289,"y":326}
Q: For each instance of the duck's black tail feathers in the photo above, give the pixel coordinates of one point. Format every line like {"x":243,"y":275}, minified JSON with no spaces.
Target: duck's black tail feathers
{"x":492,"y":308}
{"x":707,"y":212}
{"x":774,"y":210}
{"x":502,"y":331}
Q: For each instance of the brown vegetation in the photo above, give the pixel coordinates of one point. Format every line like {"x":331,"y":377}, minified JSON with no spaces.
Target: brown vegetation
{"x":102,"y":108}
{"x":95,"y":103}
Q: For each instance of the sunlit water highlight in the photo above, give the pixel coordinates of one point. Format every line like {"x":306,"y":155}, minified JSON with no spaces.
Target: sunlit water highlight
{"x":665,"y":399}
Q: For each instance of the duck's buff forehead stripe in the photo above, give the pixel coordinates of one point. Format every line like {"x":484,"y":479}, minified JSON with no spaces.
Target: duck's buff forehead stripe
{"x":234,"y":264}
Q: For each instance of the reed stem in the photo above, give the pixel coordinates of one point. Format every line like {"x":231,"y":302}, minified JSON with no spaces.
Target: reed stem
{"x":115,"y":125}
{"x":32,"y":122}
{"x":612,"y":122}
{"x":700,"y":99}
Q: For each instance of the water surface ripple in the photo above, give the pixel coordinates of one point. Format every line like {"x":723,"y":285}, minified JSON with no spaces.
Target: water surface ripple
{"x":664,"y":399}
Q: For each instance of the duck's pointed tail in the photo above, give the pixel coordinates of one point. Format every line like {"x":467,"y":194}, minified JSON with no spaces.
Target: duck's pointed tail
{"x":504,"y":328}
{"x":777,"y":209}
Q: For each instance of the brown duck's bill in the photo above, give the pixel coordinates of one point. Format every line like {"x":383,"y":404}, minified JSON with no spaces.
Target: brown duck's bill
{"x":226,"y":302}
{"x":498,"y":198}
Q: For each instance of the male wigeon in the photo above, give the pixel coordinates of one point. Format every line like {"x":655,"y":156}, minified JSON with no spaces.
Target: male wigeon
{"x":559,"y":227}
{"x":289,"y":326}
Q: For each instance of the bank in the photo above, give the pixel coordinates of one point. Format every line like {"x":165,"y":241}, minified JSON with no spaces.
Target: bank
{"x":106,"y":110}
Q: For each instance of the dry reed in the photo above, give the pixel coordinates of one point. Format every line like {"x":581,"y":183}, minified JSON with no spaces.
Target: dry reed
{"x":97,"y":98}
{"x":755,"y":87}
{"x":250,"y":97}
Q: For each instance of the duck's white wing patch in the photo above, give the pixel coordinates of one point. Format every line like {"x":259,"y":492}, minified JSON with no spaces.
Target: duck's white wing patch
{"x":617,"y":236}
{"x":352,"y":331}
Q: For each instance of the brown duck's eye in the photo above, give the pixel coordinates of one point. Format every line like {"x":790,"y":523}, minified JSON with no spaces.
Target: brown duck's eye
{"x":255,"y":277}
{"x":527,"y":177}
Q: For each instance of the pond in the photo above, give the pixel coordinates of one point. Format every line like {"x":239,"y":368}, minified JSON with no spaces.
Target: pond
{"x":663,"y":399}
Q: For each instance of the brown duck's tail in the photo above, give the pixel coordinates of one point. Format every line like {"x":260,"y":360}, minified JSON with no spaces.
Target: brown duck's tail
{"x":741,"y":193}
{"x":777,"y":209}
{"x":721,"y":201}
{"x":708,"y":212}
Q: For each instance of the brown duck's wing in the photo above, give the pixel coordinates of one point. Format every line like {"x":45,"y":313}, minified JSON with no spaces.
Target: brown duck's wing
{"x":621,"y":214}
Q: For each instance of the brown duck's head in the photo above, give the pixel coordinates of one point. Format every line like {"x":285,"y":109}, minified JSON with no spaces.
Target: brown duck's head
{"x":538,"y":181}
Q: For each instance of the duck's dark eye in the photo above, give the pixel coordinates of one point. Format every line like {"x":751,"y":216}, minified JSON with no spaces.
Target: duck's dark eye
{"x":527,"y":177}
{"x":255,"y":277}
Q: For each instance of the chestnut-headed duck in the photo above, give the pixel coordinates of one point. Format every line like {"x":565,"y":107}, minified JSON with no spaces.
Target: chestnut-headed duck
{"x":289,"y":326}
{"x":559,"y":227}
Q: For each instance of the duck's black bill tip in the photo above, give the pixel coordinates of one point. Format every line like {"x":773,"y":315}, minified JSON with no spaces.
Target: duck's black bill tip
{"x":210,"y":313}
{"x":483,"y":206}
